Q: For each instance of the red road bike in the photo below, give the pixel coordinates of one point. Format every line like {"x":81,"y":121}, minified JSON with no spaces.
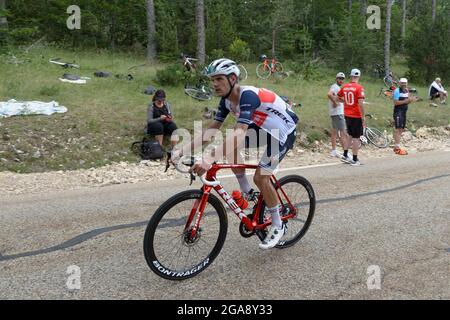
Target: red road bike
{"x":188,"y":231}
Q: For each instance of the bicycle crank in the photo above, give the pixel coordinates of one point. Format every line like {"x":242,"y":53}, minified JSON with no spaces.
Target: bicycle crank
{"x":245,"y":233}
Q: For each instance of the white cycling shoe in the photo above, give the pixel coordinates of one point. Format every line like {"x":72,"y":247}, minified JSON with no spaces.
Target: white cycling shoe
{"x":273,"y":237}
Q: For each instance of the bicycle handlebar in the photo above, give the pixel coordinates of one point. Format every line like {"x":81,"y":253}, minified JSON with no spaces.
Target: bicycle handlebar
{"x":189,"y":163}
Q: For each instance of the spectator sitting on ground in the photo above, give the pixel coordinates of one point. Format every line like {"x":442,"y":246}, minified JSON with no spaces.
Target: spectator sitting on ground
{"x":438,"y":91}
{"x":159,"y":118}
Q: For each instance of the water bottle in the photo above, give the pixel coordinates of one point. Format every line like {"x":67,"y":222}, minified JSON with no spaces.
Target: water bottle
{"x":240,"y":200}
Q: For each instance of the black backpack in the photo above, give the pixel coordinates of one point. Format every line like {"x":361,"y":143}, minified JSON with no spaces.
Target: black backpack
{"x":148,"y":149}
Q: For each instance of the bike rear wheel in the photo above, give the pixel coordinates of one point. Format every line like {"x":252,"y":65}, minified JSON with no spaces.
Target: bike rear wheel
{"x":301,"y":195}
{"x":169,"y":248}
{"x":244,"y":73}
{"x":201,"y":94}
{"x":377,"y":138}
{"x":263,"y":71}
{"x":278,"y":67}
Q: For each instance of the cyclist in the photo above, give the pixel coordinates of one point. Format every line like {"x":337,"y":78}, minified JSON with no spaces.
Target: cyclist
{"x":402,"y":98}
{"x":254,"y":109}
{"x":336,"y":111}
{"x":352,"y":94}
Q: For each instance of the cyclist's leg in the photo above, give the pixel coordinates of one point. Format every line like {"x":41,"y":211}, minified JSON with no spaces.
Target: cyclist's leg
{"x":251,"y":141}
{"x":274,"y":154}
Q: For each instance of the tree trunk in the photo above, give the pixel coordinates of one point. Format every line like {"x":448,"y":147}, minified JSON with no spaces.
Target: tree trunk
{"x":151,"y":30}
{"x":274,"y":40}
{"x":404,"y":24}
{"x":3,"y":20}
{"x":201,"y":36}
{"x":387,"y":41}
{"x":434,"y":11}
{"x":363,"y":7}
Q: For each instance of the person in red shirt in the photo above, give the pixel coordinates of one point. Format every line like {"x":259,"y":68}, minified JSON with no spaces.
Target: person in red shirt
{"x":352,"y":94}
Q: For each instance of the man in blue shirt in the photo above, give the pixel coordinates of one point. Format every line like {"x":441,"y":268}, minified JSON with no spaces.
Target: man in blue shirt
{"x":402,"y":98}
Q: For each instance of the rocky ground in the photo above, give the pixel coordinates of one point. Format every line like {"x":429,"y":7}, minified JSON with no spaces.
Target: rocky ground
{"x":424,"y":139}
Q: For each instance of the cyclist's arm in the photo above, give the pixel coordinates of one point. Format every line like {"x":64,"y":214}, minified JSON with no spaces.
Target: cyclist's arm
{"x":190,"y":148}
{"x":234,"y":142}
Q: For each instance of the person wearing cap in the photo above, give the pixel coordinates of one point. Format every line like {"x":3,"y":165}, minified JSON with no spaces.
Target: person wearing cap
{"x":438,"y":91}
{"x":160,"y":119}
{"x":402,"y":98}
{"x":352,"y":94}
{"x":336,"y":111}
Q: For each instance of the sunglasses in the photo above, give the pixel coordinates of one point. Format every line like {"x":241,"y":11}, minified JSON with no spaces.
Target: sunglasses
{"x":340,"y":78}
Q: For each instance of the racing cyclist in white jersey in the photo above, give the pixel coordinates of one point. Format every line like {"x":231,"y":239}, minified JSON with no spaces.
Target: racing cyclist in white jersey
{"x":255,"y":109}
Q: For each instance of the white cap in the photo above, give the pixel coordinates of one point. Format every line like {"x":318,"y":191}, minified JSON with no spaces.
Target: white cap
{"x":340,"y":75}
{"x":403,"y":80}
{"x":438,"y":79}
{"x":356,"y":73}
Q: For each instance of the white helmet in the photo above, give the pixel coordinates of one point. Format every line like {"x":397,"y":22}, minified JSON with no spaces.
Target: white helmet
{"x":222,"y":67}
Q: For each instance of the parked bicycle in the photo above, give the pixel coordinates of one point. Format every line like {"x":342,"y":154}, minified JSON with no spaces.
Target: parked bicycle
{"x":188,"y":63}
{"x":188,"y":231}
{"x":270,"y":67}
{"x":63,"y":64}
{"x":374,"y":136}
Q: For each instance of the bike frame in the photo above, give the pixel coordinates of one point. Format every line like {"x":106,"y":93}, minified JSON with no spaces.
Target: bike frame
{"x":189,"y":62}
{"x":270,"y":65}
{"x":212,"y":183}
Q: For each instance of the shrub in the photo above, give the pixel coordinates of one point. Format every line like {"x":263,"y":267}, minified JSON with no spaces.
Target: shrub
{"x":239,"y":50}
{"x":217,"y":54}
{"x":172,"y":75}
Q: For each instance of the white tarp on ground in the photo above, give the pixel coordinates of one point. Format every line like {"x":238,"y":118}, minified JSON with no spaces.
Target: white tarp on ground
{"x":22,"y":108}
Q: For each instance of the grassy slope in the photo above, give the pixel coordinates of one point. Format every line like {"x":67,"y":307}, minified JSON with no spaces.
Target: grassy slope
{"x":107,"y":115}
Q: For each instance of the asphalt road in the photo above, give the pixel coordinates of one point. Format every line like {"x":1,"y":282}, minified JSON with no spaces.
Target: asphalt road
{"x":392,"y":213}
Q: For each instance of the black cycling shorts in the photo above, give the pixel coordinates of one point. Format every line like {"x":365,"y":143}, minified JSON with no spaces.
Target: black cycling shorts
{"x":400,"y":118}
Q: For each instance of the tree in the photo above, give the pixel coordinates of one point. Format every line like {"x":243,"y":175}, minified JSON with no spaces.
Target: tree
{"x":387,"y":40}
{"x":151,"y":27}
{"x":201,"y":34}
{"x":3,"y":20}
{"x":434,"y":11}
{"x":363,"y":7}
{"x":404,"y":12}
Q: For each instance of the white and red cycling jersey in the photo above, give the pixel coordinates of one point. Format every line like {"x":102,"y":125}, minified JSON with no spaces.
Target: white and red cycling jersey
{"x":262,"y":108}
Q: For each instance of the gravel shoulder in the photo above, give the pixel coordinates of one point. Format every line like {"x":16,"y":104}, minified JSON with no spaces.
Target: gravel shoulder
{"x":424,"y":139}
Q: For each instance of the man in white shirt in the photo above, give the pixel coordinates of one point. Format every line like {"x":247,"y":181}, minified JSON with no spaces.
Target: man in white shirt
{"x":438,"y":91}
{"x":336,"y":110}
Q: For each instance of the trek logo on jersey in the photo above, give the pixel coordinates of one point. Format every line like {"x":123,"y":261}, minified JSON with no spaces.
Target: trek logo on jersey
{"x":279,"y":114}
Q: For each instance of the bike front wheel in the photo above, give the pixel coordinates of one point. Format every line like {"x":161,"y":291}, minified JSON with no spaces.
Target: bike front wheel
{"x":376,"y":137}
{"x":263,"y":71}
{"x":201,"y":94}
{"x":301,"y":195}
{"x":172,"y":249}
